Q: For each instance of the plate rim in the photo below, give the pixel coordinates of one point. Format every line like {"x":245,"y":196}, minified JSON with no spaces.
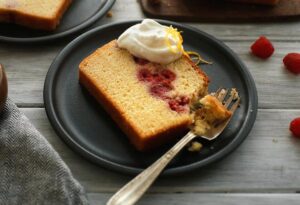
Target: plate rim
{"x":63,"y":134}
{"x":98,"y":15}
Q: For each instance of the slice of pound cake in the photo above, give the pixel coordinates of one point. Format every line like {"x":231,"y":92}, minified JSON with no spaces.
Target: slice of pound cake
{"x":149,"y":101}
{"x":37,"y":14}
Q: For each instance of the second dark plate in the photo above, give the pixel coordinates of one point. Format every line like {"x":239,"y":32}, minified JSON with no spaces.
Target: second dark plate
{"x":82,"y":123}
{"x":80,"y":15}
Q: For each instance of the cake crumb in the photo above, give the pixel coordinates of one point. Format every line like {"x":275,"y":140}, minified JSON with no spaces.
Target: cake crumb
{"x":109,"y":14}
{"x":234,"y":93}
{"x":210,"y":114}
{"x":195,"y":147}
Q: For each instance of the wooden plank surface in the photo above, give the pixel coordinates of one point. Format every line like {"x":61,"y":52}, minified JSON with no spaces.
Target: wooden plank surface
{"x":266,"y":164}
{"x":29,"y":64}
{"x":27,"y":68}
{"x":287,"y":31}
{"x":221,"y":11}
{"x":208,"y":199}
{"x":263,"y":163}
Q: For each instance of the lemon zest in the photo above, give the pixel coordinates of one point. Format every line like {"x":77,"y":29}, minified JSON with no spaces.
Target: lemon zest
{"x":190,"y":54}
{"x":175,"y":34}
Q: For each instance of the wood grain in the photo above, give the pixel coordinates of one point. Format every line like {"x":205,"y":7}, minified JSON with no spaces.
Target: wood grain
{"x":221,"y":11}
{"x":287,"y":31}
{"x":27,"y":68}
{"x":266,"y":162}
{"x":207,"y":199}
{"x":27,"y":65}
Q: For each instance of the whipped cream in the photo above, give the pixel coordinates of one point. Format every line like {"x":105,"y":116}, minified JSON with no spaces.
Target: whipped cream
{"x":152,"y":41}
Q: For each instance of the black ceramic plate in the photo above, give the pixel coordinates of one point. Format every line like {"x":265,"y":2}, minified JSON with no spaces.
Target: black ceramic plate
{"x":81,"y":14}
{"x":81,"y":122}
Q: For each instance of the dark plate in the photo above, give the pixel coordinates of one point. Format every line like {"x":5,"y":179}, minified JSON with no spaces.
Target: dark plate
{"x":88,"y":129}
{"x":79,"y":15}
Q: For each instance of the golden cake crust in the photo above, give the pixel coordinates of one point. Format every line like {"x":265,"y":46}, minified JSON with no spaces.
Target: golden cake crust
{"x":14,"y":11}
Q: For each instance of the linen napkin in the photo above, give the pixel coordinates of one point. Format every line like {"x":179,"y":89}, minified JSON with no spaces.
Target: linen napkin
{"x":31,"y":171}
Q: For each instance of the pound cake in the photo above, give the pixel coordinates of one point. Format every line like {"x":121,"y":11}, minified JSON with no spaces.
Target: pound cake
{"x":149,"y":101}
{"x":36,"y":14}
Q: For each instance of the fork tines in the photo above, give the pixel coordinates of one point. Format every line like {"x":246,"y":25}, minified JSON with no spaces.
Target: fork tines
{"x":228,"y":98}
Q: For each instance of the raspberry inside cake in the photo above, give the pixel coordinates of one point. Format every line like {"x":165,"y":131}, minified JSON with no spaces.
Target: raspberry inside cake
{"x":149,"y":101}
{"x":160,"y":83}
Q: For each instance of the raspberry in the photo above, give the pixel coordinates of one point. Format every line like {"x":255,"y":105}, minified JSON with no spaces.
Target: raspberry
{"x":160,"y":89}
{"x":292,"y":62}
{"x":169,"y":75}
{"x":145,"y":75}
{"x":262,"y":48}
{"x":295,"y":127}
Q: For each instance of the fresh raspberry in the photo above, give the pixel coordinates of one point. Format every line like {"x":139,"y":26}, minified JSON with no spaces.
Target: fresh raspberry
{"x":292,"y":62}
{"x":262,"y":48}
{"x":295,"y":127}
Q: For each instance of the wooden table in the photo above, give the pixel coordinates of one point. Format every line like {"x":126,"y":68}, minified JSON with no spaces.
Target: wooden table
{"x":265,"y":169}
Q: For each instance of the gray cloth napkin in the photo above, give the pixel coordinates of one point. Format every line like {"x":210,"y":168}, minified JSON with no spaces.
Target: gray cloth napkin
{"x":31,"y":171}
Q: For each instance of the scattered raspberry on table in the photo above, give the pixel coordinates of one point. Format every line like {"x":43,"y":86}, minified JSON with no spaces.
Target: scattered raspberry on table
{"x":295,"y":127}
{"x":262,"y":48}
{"x":292,"y":62}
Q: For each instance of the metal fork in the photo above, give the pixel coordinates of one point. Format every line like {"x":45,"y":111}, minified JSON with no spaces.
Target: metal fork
{"x":133,"y":190}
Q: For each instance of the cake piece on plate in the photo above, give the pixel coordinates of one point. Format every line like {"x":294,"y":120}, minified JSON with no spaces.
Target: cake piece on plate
{"x":149,"y":102}
{"x":37,"y":14}
{"x":146,"y":82}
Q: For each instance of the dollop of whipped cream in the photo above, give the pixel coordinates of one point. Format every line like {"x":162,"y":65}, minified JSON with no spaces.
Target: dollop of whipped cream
{"x":152,"y":41}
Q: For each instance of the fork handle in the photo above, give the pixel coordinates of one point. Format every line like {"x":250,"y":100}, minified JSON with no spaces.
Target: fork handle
{"x":133,"y":190}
